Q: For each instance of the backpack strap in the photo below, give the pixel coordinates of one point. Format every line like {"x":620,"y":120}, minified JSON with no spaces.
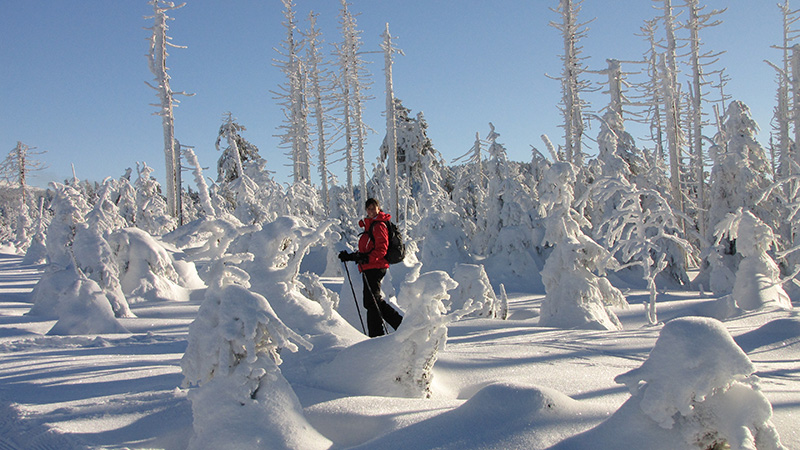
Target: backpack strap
{"x":368,"y":231}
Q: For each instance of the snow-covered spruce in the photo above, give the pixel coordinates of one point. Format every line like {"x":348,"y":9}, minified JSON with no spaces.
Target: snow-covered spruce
{"x":575,"y":296}
{"x":757,"y":281}
{"x":152,"y":214}
{"x":738,"y":179}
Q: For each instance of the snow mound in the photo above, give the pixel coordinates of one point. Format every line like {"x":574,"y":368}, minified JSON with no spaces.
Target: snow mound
{"x":774,"y":333}
{"x":83,"y":308}
{"x":499,"y":416}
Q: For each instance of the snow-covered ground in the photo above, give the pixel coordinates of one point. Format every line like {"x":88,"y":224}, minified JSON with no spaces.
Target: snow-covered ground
{"x":497,"y":385}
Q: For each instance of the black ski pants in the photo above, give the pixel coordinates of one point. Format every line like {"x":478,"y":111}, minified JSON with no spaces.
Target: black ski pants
{"x":377,"y":309}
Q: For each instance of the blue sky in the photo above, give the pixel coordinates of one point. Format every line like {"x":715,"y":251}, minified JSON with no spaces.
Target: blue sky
{"x":73,"y":73}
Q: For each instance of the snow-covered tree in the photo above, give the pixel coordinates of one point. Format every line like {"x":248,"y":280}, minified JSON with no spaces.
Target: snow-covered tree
{"x":651,"y":90}
{"x":292,"y":98}
{"x":353,"y":81}
{"x":152,"y":213}
{"x":238,"y":152}
{"x":617,"y":150}
{"x":699,"y":61}
{"x":15,"y":169}
{"x":320,"y":100}
{"x":391,"y":124}
{"x":782,"y":118}
{"x":575,"y":296}
{"x":279,"y":248}
{"x":512,"y":233}
{"x":232,"y":358}
{"x":125,"y":199}
{"x":417,"y":160}
{"x":202,"y":187}
{"x":303,"y":200}
{"x":151,"y":270}
{"x":469,"y":187}
{"x":474,"y":286}
{"x":65,"y":291}
{"x":642,"y":230}
{"x":157,"y":58}
{"x":93,"y":254}
{"x":738,"y":178}
{"x":36,"y":253}
{"x":758,"y":277}
{"x":670,"y":93}
{"x":572,"y":85}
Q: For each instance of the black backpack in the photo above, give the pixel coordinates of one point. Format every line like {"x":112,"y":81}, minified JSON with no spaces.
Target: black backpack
{"x":396,"y":252}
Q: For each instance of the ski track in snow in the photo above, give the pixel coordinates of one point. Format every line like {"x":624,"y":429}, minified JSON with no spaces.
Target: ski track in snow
{"x":19,"y":434}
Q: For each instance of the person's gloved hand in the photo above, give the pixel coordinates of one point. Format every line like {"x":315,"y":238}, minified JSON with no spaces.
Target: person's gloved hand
{"x":344,"y":256}
{"x":361,"y":258}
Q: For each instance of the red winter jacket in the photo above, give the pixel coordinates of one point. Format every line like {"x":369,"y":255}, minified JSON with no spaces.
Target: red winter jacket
{"x":377,"y":249}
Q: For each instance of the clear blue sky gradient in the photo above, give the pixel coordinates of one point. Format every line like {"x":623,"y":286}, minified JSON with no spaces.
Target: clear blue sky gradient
{"x":73,"y":72}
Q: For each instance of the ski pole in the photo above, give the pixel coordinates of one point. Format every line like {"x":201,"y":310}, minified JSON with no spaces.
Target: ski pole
{"x":354,"y":297}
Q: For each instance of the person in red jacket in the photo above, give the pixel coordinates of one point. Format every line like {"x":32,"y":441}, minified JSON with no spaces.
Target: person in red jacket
{"x":372,"y":264}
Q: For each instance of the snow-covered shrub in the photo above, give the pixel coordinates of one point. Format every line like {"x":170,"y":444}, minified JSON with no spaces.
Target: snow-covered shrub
{"x":311,"y":286}
{"x":94,"y":255}
{"x":37,"y":251}
{"x":700,"y":384}
{"x":95,"y":259}
{"x":242,"y":399}
{"x":278,"y":248}
{"x":757,"y":280}
{"x":438,"y":231}
{"x":149,"y":270}
{"x":399,"y":364}
{"x":474,"y":286}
